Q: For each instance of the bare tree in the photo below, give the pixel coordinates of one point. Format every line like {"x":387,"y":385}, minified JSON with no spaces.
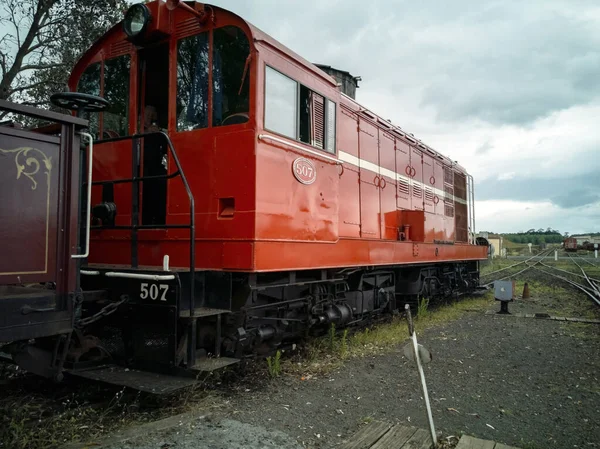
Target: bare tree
{"x":44,"y":40}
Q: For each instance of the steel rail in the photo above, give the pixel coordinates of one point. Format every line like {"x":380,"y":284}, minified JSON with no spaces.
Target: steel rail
{"x":591,"y":263}
{"x":568,"y":280}
{"x":516,"y":264}
{"x":568,"y":272}
{"x":543,"y":255}
{"x":595,"y":287}
{"x":583,"y":288}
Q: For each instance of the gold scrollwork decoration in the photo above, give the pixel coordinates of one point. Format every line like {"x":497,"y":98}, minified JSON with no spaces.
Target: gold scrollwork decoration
{"x":28,"y":161}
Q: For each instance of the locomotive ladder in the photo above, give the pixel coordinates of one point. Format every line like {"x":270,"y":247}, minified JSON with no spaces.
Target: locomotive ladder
{"x":135,"y":226}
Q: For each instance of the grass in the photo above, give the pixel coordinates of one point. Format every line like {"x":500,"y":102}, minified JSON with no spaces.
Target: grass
{"x":422,"y":308}
{"x":553,"y":295}
{"x":328,"y":353}
{"x":581,"y":331}
{"x":343,"y":351}
{"x":332,"y":337}
{"x":45,"y":415}
{"x":274,"y":365}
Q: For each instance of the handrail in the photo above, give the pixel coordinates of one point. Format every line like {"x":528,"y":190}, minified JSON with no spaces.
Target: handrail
{"x":300,"y":148}
{"x":89,"y":200}
{"x":136,"y":179}
{"x":191,"y":226}
{"x":471,"y":201}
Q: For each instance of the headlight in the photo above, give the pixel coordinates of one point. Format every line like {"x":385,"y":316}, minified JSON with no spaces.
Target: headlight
{"x":136,"y":20}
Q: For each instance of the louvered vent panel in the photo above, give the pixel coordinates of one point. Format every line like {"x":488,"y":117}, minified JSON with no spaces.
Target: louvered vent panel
{"x":460,"y":186}
{"x":448,"y":211}
{"x":119,"y":48}
{"x":403,"y":187}
{"x":318,"y":121}
{"x":187,"y":27}
{"x":428,"y":194}
{"x":417,"y":191}
{"x":448,"y":176}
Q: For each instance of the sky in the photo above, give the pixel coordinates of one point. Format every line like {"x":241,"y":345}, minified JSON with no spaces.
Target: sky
{"x":509,"y":89}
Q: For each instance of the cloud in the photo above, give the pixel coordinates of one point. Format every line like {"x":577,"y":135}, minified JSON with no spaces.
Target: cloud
{"x":506,"y":176}
{"x":565,"y":192}
{"x":484,"y":148}
{"x":576,"y":198}
{"x":516,"y":216}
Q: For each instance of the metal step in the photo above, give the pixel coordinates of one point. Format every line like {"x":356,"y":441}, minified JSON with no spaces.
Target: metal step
{"x":200,"y":312}
{"x":138,"y":380}
{"x":211,"y":364}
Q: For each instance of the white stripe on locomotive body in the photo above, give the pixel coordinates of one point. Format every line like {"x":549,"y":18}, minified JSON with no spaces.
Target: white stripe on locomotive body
{"x":361,"y":163}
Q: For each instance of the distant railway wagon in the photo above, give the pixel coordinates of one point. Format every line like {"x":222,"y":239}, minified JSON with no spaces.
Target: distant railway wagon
{"x":570,"y":244}
{"x":237,"y":201}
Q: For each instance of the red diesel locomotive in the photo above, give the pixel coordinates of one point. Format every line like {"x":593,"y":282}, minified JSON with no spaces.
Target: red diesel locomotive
{"x":239,"y":199}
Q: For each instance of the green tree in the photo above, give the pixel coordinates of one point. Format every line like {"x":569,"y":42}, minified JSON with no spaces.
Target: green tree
{"x":44,"y":40}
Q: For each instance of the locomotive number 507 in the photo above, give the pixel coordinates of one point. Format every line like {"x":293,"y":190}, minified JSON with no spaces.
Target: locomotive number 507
{"x":154,"y":291}
{"x":304,"y":170}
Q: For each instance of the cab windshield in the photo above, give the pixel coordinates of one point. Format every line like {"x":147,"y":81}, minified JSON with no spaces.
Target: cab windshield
{"x":197,"y":103}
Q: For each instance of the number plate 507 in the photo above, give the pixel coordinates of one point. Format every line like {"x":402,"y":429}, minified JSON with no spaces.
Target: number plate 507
{"x":154,"y":291}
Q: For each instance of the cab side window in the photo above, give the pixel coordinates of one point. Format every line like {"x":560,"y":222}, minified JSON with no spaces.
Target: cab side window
{"x":192,"y":82}
{"x":281,"y":103}
{"x":116,"y":91}
{"x":89,"y":83}
{"x":230,"y":75}
{"x":296,"y":111}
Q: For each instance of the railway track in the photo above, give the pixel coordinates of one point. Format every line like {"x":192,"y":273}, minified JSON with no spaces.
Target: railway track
{"x":594,"y":284}
{"x":527,"y":263}
{"x":587,"y":261}
{"x":591,"y":286}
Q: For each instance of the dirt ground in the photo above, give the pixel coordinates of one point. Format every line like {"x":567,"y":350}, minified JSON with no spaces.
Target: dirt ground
{"x":524,"y":382}
{"x":208,"y":433}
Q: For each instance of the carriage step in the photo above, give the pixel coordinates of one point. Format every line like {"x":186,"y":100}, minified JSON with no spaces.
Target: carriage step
{"x":211,"y":364}
{"x":200,"y":312}
{"x":138,"y":380}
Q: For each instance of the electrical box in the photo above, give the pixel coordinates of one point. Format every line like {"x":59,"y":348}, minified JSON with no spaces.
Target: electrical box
{"x":504,"y":290}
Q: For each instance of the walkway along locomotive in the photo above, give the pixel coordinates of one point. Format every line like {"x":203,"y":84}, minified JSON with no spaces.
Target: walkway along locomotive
{"x":239,"y":200}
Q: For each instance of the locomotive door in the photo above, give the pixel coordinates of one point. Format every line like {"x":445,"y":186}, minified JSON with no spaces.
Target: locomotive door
{"x":449,"y":227}
{"x":403,"y":198}
{"x":387,"y":186}
{"x":428,"y":183}
{"x":349,"y":222}
{"x":369,"y":180}
{"x":153,"y":107}
{"x":438,"y":201}
{"x":416,"y":178}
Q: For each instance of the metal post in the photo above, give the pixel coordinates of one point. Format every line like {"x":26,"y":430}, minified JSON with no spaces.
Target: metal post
{"x":555,"y":255}
{"x":413,"y":335}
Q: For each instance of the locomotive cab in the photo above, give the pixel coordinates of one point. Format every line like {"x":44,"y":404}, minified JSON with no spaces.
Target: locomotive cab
{"x":178,"y":80}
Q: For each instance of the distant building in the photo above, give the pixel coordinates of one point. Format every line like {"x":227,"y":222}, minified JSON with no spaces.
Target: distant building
{"x":495,"y":241}
{"x":581,"y":239}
